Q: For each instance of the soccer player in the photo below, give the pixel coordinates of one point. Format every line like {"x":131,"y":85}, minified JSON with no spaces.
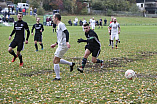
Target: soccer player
{"x":110,"y":31}
{"x":54,"y":26}
{"x":38,"y":33}
{"x":63,"y":45}
{"x":93,"y":23}
{"x":93,"y":46}
{"x":19,"y":29}
{"x":115,"y":30}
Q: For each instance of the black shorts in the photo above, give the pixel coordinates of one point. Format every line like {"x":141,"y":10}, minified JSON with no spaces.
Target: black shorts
{"x":95,"y":51}
{"x":54,"y":25}
{"x":38,"y":38}
{"x":100,"y":23}
{"x":19,"y":44}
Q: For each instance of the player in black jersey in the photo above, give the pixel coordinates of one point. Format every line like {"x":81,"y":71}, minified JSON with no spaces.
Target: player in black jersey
{"x":93,"y":46}
{"x":19,"y":29}
{"x":38,"y":33}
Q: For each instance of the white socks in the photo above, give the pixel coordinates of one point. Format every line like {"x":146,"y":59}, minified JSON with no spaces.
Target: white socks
{"x":62,"y":61}
{"x":57,"y":70}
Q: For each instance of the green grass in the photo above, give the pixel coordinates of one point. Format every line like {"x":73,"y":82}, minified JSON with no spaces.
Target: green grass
{"x":32,"y":83}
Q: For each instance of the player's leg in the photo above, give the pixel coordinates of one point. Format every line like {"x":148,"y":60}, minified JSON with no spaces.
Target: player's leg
{"x":95,"y":54}
{"x":56,"y":61}
{"x":19,"y":48}
{"x":116,"y":38}
{"x":84,"y":60}
{"x":40,"y":42}
{"x":36,"y":46}
{"x":112,"y":37}
{"x":12,"y":45}
{"x":62,"y":61}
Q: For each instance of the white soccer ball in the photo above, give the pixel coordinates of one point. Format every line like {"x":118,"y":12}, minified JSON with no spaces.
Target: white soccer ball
{"x":130,"y":74}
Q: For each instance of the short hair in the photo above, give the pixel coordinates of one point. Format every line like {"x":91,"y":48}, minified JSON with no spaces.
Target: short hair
{"x":37,"y":17}
{"x":57,"y":15}
{"x":86,"y":24}
{"x":20,"y":13}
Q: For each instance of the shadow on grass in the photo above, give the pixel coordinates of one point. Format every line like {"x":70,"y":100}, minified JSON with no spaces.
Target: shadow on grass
{"x":113,"y":62}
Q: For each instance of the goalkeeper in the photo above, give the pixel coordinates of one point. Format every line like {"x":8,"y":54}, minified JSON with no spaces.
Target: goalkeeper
{"x":93,"y":46}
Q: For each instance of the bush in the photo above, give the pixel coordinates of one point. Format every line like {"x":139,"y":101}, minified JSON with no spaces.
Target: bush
{"x":109,"y":12}
{"x":40,"y":11}
{"x":84,"y":11}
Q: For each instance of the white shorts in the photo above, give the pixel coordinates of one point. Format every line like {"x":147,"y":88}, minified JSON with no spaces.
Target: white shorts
{"x":60,"y":51}
{"x":116,"y":36}
{"x":93,"y":26}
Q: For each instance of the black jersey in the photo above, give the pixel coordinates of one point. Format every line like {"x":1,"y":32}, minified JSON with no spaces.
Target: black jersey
{"x":92,"y":35}
{"x":38,"y":27}
{"x":19,"y":30}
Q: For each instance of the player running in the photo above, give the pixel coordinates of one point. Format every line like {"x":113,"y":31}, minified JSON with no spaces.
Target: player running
{"x":38,"y":33}
{"x":19,"y":29}
{"x":93,"y":46}
{"x":63,"y":45}
{"x":93,"y":23}
{"x":114,"y":31}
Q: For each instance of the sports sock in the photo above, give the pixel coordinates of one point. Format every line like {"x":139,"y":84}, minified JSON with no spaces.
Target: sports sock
{"x":53,"y":30}
{"x":36,"y":46}
{"x":112,"y":43}
{"x":20,"y":57}
{"x":57,"y":70}
{"x":116,"y":43}
{"x":62,"y":61}
{"x":41,"y":45}
{"x":99,"y":61}
{"x":84,"y":60}
{"x":12,"y":53}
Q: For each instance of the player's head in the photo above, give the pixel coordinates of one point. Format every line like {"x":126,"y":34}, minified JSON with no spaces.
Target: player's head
{"x":86,"y":27}
{"x":38,"y":19}
{"x":93,"y":18}
{"x":19,"y":16}
{"x":56,"y":18}
{"x":114,"y":20}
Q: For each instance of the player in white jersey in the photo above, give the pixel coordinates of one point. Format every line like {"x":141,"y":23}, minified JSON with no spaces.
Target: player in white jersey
{"x":63,"y":46}
{"x":115,"y":30}
{"x":84,"y":22}
{"x":93,"y":23}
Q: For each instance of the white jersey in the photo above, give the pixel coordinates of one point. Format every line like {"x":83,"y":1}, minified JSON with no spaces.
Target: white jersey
{"x":114,"y":27}
{"x":93,"y":22}
{"x":84,"y":21}
{"x":61,"y":37}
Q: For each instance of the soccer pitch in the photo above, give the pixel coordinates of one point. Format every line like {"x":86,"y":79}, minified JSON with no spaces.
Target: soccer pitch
{"x":33,"y":82}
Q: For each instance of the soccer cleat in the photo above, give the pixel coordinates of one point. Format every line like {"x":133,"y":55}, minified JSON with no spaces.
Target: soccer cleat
{"x":14,"y":58}
{"x":102,"y":64}
{"x":80,"y":69}
{"x":71,"y":67}
{"x":21,"y":64}
{"x":36,"y":50}
{"x":116,"y":47}
{"x":109,"y":45}
{"x":112,"y":47}
{"x":56,"y":79}
{"x":119,"y":41}
{"x":41,"y":48}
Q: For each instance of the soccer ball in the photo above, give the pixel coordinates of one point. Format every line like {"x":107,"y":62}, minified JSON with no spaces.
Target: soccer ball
{"x":129,"y":74}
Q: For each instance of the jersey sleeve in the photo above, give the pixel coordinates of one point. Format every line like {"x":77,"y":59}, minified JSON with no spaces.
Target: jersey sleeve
{"x":32,"y":28}
{"x":13,"y":31}
{"x":42,"y":27}
{"x":28,"y":32}
{"x":62,"y":27}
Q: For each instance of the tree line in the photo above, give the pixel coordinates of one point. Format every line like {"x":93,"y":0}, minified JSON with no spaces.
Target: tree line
{"x":80,"y":6}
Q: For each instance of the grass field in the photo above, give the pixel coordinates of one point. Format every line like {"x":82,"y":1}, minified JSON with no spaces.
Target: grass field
{"x":33,"y":82}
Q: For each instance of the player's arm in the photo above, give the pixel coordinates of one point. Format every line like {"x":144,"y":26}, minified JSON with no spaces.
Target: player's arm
{"x":28,"y":32}
{"x":119,"y":29}
{"x":109,"y":28}
{"x":42,"y":28}
{"x":32,"y":29}
{"x":12,"y":33}
{"x":67,"y":37}
{"x":88,"y":40}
